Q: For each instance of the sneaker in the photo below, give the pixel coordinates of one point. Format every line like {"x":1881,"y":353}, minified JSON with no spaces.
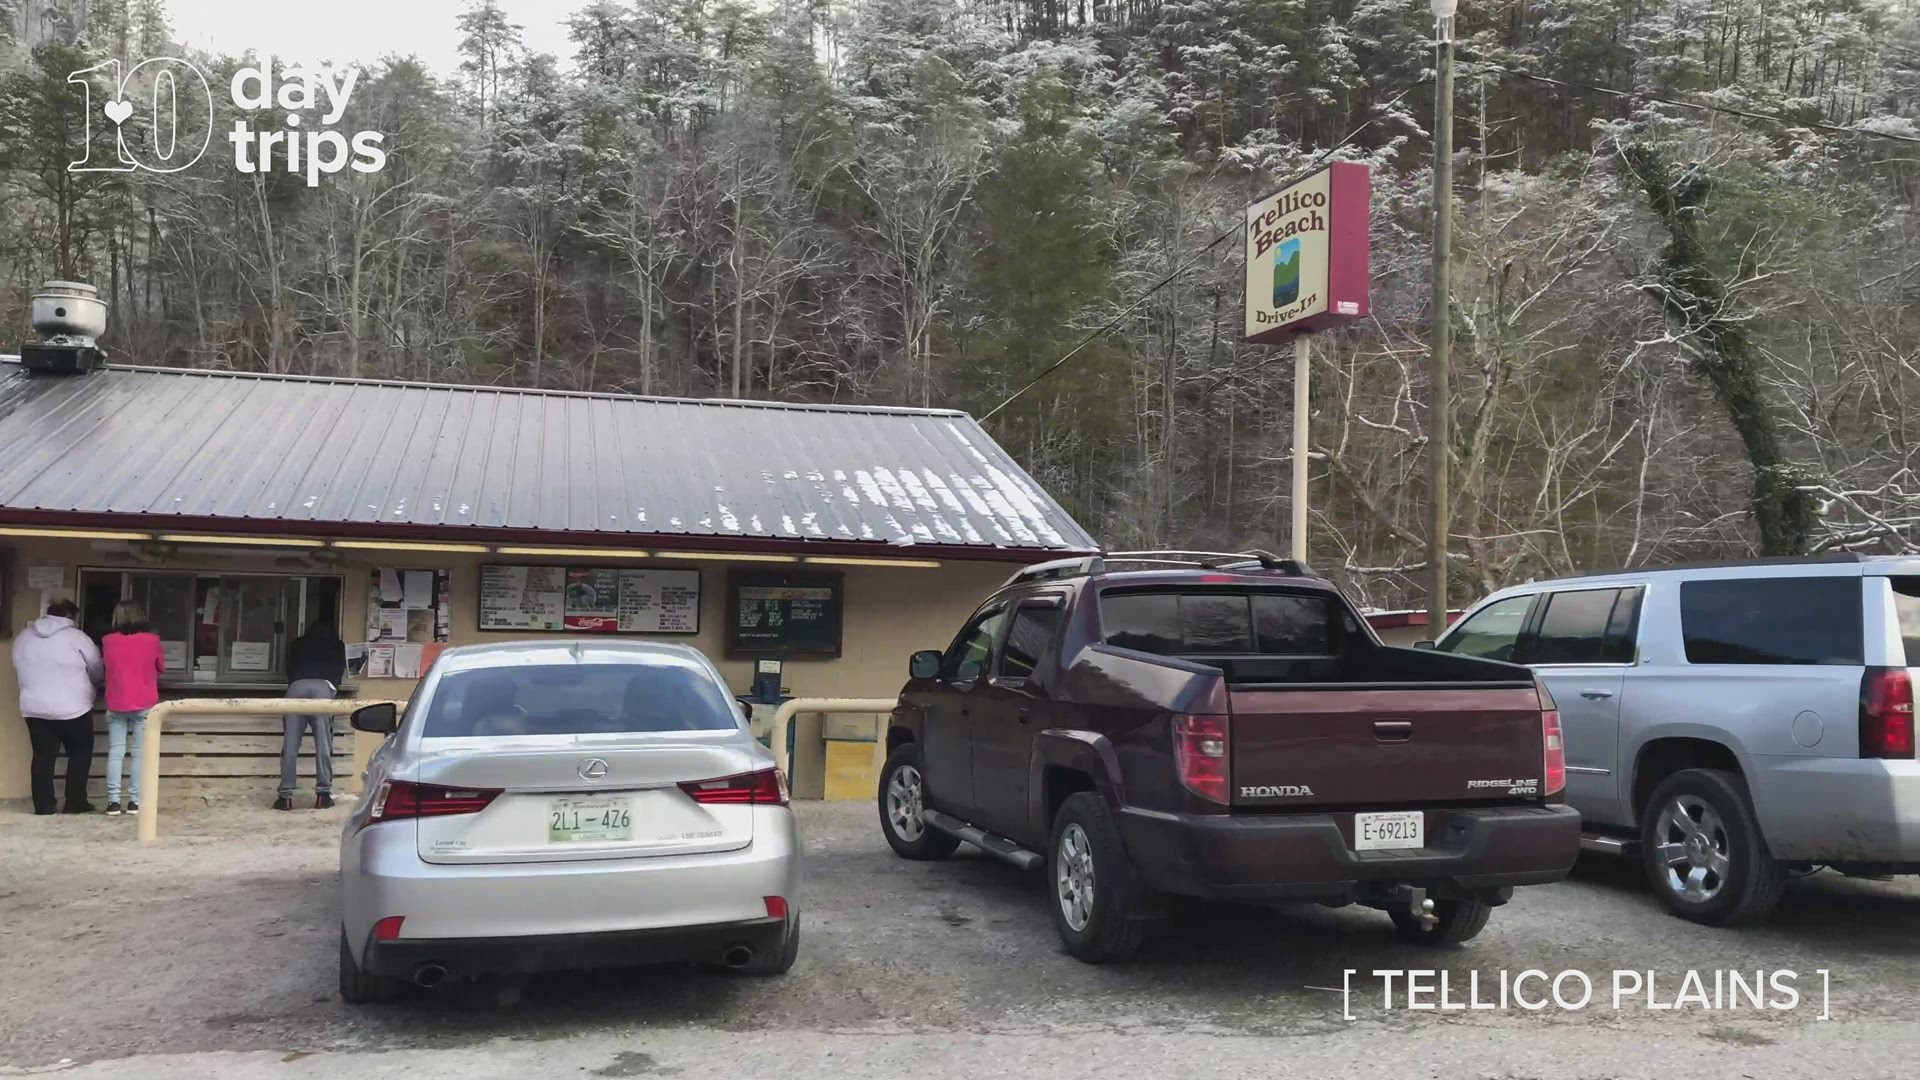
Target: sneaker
{"x":79,"y":808}
{"x":323,"y":802}
{"x":113,"y":809}
{"x":133,"y":807}
{"x":284,"y":802}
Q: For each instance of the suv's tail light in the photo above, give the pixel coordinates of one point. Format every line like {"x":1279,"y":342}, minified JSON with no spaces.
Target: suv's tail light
{"x":398,"y":799}
{"x":1886,"y":713}
{"x":1553,"y":745}
{"x":764,"y":788}
{"x":1200,"y":753}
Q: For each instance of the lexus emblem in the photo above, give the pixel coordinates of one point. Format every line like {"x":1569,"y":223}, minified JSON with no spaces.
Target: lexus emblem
{"x":593,"y":769}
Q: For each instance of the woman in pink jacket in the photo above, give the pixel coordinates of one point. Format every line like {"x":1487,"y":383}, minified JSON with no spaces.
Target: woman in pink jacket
{"x":134,"y":662}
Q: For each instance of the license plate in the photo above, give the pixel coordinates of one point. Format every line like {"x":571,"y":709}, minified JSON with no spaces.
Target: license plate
{"x":574,"y":820}
{"x":1395,"y":829}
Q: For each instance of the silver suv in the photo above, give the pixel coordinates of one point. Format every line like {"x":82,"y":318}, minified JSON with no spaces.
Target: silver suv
{"x":1731,"y":725}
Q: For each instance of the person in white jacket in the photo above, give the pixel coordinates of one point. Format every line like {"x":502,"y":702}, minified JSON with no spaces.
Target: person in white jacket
{"x":58,"y":667}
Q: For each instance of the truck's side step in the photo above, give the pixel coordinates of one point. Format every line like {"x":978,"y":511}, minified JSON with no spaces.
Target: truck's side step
{"x":993,"y":845}
{"x":1624,"y":846}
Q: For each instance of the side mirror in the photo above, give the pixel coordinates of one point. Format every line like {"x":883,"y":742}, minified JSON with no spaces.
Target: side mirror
{"x":381,"y":719}
{"x":1426,"y":644}
{"x":925,"y":664}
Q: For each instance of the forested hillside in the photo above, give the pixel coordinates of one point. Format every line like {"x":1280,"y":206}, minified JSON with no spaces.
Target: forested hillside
{"x":1680,"y":333}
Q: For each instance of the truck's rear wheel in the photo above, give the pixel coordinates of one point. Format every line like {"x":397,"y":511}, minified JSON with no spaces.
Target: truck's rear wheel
{"x":902,"y":798}
{"x":1703,"y":850}
{"x":1099,"y":906}
{"x":1454,"y":922}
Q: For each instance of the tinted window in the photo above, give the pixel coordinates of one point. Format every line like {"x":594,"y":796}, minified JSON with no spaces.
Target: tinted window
{"x":576,"y":699}
{"x":1574,"y":629}
{"x":1027,"y":639}
{"x":1772,"y":621}
{"x":1906,"y":605}
{"x":1492,"y":632}
{"x":967,"y":659}
{"x":1189,"y":624}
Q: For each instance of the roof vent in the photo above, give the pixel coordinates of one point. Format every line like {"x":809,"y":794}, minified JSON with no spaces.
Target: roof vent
{"x":69,"y":316}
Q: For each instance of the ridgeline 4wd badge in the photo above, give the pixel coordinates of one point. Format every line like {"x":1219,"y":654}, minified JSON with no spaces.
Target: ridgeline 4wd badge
{"x":1514,"y":787}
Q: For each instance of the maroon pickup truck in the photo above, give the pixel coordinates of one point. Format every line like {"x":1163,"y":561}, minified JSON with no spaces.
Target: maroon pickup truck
{"x":1224,"y":728}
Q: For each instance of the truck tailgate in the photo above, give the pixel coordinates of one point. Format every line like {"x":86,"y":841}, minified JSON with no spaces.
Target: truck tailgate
{"x":1359,"y":746}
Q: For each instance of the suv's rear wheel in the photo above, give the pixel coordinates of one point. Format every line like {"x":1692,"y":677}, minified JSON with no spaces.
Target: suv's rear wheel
{"x":902,"y":799}
{"x":1704,"y":854}
{"x":1099,"y":907}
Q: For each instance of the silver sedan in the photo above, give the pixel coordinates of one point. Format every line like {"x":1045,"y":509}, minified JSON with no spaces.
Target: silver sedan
{"x":565,"y":804}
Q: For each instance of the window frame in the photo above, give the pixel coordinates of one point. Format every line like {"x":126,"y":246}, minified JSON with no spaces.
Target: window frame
{"x":1042,"y":602}
{"x":299,"y":607}
{"x":1527,"y":618}
{"x":966,"y":632}
{"x":1858,"y":599}
{"x":1525,"y":651}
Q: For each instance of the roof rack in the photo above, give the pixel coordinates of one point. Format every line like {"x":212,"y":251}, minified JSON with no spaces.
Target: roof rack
{"x":1087,"y":566}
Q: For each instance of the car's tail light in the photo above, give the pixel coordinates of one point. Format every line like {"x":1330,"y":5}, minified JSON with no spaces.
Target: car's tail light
{"x":1553,"y":744}
{"x":1886,"y":713}
{"x":399,"y":799}
{"x":776,"y":906}
{"x":1200,"y":753}
{"x":764,"y":788}
{"x":388,"y":929}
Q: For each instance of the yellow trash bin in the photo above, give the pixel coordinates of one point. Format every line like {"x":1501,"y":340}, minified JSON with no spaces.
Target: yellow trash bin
{"x":851,"y":772}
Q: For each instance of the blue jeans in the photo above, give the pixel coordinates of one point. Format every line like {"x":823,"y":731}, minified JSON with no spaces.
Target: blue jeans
{"x":294,"y":726}
{"x":117,"y":724}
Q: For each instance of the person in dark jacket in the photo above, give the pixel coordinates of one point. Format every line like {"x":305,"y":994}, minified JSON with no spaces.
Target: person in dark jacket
{"x":316,"y":665}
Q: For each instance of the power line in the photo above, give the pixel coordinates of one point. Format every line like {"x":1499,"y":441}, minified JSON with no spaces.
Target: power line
{"x":1108,"y":327}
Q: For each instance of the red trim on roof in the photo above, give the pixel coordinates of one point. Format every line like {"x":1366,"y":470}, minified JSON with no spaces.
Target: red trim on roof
{"x":1393,"y":620}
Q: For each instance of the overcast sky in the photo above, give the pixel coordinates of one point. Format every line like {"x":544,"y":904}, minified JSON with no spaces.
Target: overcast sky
{"x":358,"y":30}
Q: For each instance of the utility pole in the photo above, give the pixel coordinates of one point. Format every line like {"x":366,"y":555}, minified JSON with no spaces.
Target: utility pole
{"x":1438,"y":458}
{"x":1302,"y":355}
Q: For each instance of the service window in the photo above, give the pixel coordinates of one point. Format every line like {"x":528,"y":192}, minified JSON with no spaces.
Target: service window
{"x":214,"y":628}
{"x":1028,"y":638}
{"x":1493,"y":632}
{"x":1815,"y":620}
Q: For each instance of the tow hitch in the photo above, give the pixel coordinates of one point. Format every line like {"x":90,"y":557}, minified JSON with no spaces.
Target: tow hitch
{"x":1417,"y":904}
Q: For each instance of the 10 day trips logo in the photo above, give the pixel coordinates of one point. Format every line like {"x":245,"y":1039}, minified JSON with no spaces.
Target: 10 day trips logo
{"x":172,"y":86}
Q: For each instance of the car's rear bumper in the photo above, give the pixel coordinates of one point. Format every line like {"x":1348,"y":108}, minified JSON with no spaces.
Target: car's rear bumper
{"x":474,"y":957}
{"x":382,"y":875}
{"x":1840,"y":810}
{"x":1311,"y":855}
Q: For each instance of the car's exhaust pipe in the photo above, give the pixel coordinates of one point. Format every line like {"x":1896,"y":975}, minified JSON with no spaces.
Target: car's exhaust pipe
{"x":737,"y":956}
{"x":428,"y":976}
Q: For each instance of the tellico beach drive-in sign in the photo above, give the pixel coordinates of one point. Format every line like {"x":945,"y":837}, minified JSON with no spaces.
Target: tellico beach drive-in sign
{"x":1307,"y":254}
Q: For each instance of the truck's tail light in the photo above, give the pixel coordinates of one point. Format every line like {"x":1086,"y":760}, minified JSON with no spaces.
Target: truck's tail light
{"x":1553,"y":745}
{"x":1886,"y":713}
{"x":399,"y":799}
{"x":1200,"y":752}
{"x":764,"y":788}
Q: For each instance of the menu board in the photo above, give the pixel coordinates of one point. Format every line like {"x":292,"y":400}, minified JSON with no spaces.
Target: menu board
{"x":589,"y":600}
{"x":773,"y":614}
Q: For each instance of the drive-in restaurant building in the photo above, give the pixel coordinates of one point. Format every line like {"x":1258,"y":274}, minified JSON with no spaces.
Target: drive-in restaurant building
{"x":239,"y":508}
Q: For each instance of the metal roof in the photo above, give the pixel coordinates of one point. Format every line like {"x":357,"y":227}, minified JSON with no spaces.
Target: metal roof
{"x":291,"y":454}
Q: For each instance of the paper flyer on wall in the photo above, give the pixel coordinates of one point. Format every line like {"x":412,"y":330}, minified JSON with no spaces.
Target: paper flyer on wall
{"x":379,"y":661}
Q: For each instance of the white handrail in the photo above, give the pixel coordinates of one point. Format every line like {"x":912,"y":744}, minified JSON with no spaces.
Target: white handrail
{"x":149,"y":765}
{"x":785,"y":714}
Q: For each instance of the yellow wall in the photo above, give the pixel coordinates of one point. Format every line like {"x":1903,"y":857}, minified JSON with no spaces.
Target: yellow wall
{"x":889,"y":613}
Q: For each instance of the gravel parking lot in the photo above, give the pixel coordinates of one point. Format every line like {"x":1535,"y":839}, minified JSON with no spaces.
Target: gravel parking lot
{"x":212,"y":953}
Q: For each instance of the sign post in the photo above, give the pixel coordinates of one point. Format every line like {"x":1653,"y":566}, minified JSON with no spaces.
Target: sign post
{"x":1307,"y":270}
